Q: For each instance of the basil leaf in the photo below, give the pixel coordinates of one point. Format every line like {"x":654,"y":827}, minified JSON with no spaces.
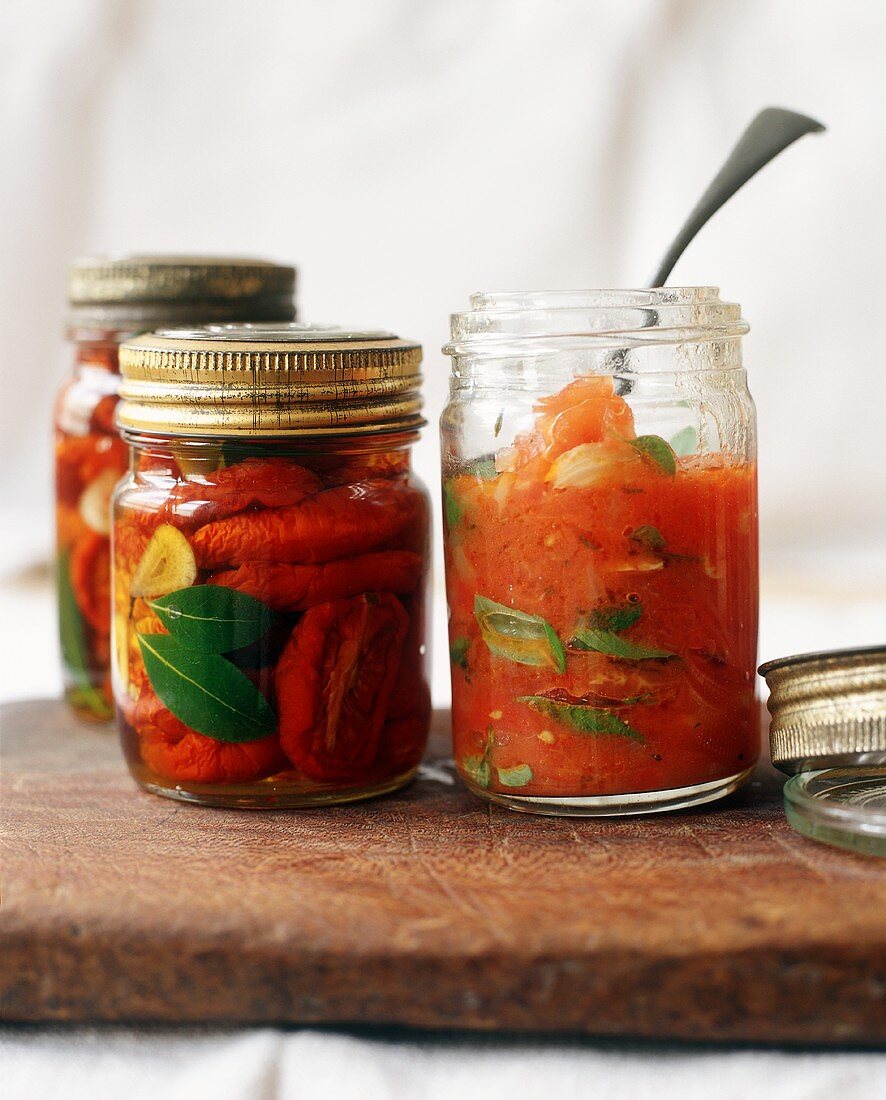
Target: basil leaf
{"x":477,"y":767}
{"x":518,"y":636}
{"x":582,"y":719}
{"x":615,"y":618}
{"x":452,"y":510}
{"x":458,"y":652}
{"x":72,"y":636}
{"x":685,"y":442}
{"x":649,"y":537}
{"x":604,"y":641}
{"x":654,"y":447}
{"x":205,"y":691}
{"x":518,"y":776}
{"x":212,"y":618}
{"x":483,"y":468}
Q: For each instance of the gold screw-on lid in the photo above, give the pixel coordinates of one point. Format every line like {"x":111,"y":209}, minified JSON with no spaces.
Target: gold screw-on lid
{"x":262,"y":379}
{"x":828,"y":709}
{"x":123,"y":290}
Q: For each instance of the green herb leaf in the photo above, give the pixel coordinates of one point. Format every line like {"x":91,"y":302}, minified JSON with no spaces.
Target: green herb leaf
{"x":649,"y":537}
{"x":614,"y":618}
{"x":205,"y":691}
{"x":212,"y":618}
{"x":605,"y":641}
{"x":483,"y":468}
{"x":518,"y":776}
{"x":655,"y":448}
{"x":478,"y":769}
{"x":72,"y":635}
{"x":685,"y":442}
{"x":458,"y":652}
{"x":589,"y":720}
{"x":452,"y":510}
{"x":518,"y":636}
{"x":499,"y":420}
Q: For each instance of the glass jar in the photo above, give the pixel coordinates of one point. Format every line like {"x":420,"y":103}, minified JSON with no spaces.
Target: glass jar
{"x":270,"y":556}
{"x":600,"y":516}
{"x":113,"y":298}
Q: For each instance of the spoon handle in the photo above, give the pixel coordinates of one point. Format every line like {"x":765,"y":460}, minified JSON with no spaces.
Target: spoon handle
{"x":773,"y":130}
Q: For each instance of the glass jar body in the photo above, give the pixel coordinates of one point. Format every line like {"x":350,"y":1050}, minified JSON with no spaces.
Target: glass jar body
{"x":90,"y":459}
{"x":600,"y":524}
{"x":270,"y":619}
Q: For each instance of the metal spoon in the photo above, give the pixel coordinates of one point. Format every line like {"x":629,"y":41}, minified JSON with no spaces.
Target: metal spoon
{"x":773,"y":130}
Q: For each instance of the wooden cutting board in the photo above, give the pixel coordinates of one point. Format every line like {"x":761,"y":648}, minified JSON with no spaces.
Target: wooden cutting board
{"x":428,"y":908}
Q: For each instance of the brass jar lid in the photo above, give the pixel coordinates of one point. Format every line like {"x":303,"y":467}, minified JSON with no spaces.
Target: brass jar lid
{"x":138,"y":292}
{"x":828,"y":709}
{"x":272,"y":380}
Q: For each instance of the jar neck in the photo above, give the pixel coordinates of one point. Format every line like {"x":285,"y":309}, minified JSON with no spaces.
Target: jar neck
{"x":96,"y":349}
{"x":705,"y":362}
{"x":292,"y":447}
{"x":666,"y":330}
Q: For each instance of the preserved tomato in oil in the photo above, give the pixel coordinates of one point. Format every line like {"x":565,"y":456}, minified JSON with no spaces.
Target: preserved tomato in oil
{"x":269,"y":610}
{"x":89,"y":460}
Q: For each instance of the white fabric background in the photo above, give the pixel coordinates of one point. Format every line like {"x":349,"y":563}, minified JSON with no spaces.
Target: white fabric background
{"x":403,"y":154}
{"x":305,"y":1065}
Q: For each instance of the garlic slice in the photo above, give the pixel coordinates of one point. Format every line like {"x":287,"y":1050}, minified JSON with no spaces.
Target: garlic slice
{"x":167,"y":564}
{"x":95,"y":502}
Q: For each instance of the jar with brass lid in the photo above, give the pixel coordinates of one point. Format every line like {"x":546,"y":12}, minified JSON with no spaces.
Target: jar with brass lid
{"x":270,"y":556}
{"x":112,"y":298}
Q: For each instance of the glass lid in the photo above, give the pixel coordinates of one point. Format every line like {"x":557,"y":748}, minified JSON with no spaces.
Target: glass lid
{"x":841,"y":806}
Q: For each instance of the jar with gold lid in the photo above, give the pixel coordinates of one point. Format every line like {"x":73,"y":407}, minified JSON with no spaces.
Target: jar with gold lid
{"x":112,"y":298}
{"x":270,"y":555}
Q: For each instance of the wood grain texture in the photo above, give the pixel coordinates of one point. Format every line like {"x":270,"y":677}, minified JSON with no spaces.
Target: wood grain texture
{"x":428,"y":908}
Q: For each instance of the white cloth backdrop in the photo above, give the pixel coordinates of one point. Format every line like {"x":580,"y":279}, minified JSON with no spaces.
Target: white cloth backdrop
{"x":403,"y":154}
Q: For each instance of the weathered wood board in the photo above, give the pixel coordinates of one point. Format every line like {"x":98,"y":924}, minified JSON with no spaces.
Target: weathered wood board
{"x":427,"y":909}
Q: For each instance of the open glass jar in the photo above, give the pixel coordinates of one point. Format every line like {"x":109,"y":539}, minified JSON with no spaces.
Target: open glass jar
{"x":270,"y":555}
{"x":600,"y":516}
{"x":112,"y":298}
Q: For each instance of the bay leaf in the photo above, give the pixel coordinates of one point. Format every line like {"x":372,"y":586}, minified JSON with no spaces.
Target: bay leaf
{"x":72,"y":636}
{"x":205,"y":691}
{"x":212,"y":618}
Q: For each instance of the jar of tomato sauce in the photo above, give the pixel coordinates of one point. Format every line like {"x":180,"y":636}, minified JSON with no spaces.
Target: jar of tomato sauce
{"x":600,"y":511}
{"x":270,"y":556}
{"x":110,"y":299}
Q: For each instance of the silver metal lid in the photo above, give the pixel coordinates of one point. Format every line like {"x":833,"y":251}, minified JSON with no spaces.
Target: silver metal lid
{"x":828,"y":709}
{"x":135,"y":292}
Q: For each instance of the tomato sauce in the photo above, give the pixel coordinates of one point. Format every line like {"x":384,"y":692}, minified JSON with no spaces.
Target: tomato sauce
{"x":603,"y":608}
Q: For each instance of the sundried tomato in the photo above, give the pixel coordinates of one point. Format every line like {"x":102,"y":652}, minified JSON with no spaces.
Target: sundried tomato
{"x":286,"y":587}
{"x":348,"y":520}
{"x":270,"y":482}
{"x":334,"y":683}
{"x":91,"y":580}
{"x":405,"y":732}
{"x":102,"y":418}
{"x":172,"y":749}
